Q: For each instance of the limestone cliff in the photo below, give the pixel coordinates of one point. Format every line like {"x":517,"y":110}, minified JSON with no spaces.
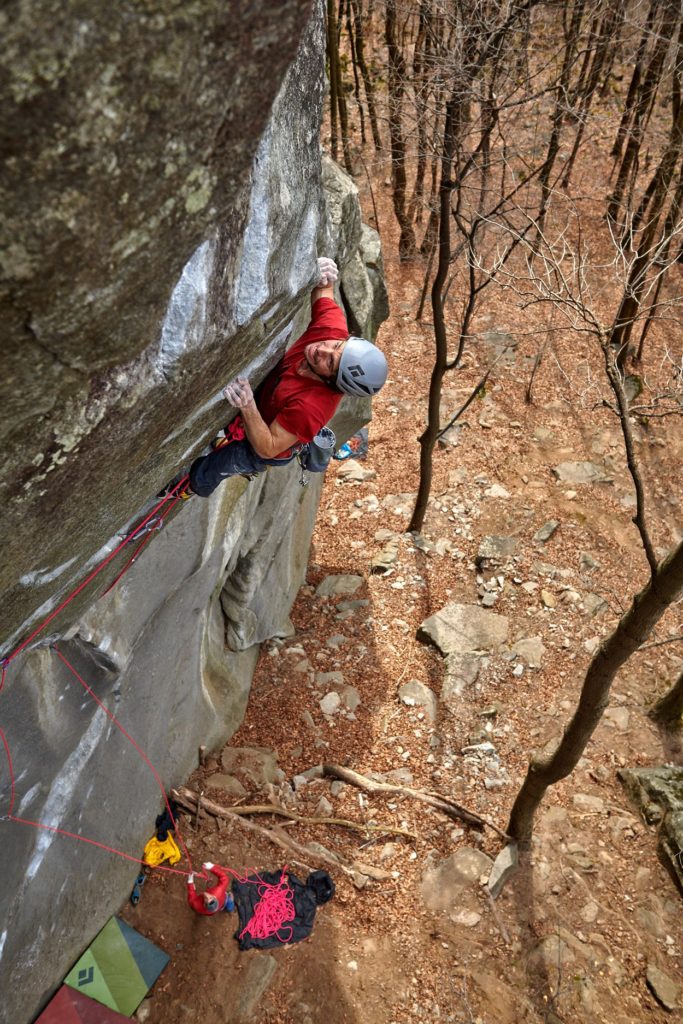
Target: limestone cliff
{"x":163,"y":204}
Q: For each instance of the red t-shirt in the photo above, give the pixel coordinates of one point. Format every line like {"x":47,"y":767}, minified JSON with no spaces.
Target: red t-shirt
{"x":218,"y":890}
{"x":303,"y":405}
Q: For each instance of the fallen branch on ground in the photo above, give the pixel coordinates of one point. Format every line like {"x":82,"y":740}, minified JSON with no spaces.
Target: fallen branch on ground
{"x":441,"y":803}
{"x":188,"y":800}
{"x":300,"y":818}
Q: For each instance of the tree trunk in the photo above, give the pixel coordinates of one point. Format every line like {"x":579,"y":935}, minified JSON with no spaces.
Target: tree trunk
{"x":634,"y":85}
{"x":561,"y":102}
{"x":632,"y":630}
{"x":668,"y":710}
{"x":419,"y":91}
{"x":332,"y":59}
{"x":356,"y":78}
{"x":649,"y":254}
{"x":645,"y":96}
{"x":365,"y":74}
{"x":608,"y":29}
{"x":664,"y":173}
{"x":396,"y":87}
{"x":430,"y":433}
{"x":672,"y":220}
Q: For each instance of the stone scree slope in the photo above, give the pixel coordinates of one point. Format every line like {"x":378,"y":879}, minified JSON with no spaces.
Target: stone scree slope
{"x":180,"y":204}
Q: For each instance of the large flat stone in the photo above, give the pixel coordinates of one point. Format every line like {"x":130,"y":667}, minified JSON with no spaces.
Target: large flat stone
{"x":460,"y":672}
{"x":465,"y":628}
{"x":253,"y":986}
{"x":580,"y":473}
{"x":444,"y":884}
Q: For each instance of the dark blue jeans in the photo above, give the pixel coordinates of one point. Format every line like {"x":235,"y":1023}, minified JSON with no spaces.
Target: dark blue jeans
{"x":235,"y":459}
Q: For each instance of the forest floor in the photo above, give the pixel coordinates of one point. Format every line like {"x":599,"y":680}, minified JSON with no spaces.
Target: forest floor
{"x":571,"y":936}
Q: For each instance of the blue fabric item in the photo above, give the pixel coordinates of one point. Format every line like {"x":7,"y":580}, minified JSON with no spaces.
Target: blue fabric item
{"x":229,"y":903}
{"x":234,"y":459}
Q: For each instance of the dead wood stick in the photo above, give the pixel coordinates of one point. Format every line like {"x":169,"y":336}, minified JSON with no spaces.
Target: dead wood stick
{"x":302,"y":820}
{"x":441,"y":803}
{"x":199,"y":807}
{"x":189,"y":805}
{"x":188,"y":799}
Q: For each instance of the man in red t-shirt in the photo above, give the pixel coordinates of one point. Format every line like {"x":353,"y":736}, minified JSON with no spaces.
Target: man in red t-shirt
{"x":297,"y":398}
{"x":215,"y":897}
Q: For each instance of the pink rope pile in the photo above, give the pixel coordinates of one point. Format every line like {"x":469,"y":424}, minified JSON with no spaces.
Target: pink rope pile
{"x":273,"y":911}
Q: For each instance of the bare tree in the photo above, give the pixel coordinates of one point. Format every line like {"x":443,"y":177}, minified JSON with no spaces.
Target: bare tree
{"x":396,"y":89}
{"x":647,"y":607}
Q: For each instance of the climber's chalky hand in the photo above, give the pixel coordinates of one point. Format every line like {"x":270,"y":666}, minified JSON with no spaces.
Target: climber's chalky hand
{"x":207,"y":865}
{"x":238,"y":392}
{"x":190,"y":878}
{"x":328,"y":271}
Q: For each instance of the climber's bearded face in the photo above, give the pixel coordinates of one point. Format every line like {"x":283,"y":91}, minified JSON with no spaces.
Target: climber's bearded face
{"x":323,"y":357}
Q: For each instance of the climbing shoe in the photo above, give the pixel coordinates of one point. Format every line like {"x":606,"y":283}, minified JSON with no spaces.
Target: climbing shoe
{"x":136,"y":893}
{"x":170,"y":489}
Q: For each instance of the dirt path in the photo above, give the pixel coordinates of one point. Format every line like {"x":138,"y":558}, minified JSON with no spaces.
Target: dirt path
{"x":570,"y":939}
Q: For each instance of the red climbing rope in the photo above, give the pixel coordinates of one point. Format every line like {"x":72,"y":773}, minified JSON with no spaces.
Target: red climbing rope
{"x":11,"y":774}
{"x":139,"y":749}
{"x":150,"y":523}
{"x":173,"y":493}
{"x":276,"y":905}
{"x":273,"y":911}
{"x":93,"y":842}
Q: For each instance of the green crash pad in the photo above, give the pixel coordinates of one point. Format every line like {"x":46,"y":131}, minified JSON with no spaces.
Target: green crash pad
{"x":69,"y":1006}
{"x":118,"y":968}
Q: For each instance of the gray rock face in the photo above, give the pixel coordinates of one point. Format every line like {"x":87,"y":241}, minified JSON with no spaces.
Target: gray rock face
{"x":332,"y":586}
{"x":580,"y":473}
{"x":416,"y":693}
{"x":112,"y":363}
{"x":659,"y":794}
{"x":465,"y":628}
{"x":663,"y":988}
{"x":362,"y":283}
{"x":254,"y":984}
{"x":163,"y":207}
{"x":257,"y":765}
{"x":493,"y":550}
{"x":443,"y":885}
{"x":504,"y":867}
{"x":530,"y":650}
{"x":546,"y":531}
{"x":460,"y":672}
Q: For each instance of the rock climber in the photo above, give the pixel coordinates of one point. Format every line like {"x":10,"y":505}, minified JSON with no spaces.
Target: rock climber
{"x":215,"y":897}
{"x":297,"y":398}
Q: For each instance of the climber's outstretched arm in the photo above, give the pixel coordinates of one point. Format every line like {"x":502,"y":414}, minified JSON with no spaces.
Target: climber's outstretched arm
{"x":329,"y":273}
{"x":267,"y":441}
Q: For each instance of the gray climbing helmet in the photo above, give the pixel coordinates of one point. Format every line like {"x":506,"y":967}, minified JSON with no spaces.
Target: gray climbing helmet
{"x":211,"y":903}
{"x":362,"y":368}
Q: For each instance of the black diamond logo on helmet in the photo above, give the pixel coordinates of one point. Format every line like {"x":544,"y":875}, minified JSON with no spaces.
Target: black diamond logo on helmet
{"x":356,"y":371}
